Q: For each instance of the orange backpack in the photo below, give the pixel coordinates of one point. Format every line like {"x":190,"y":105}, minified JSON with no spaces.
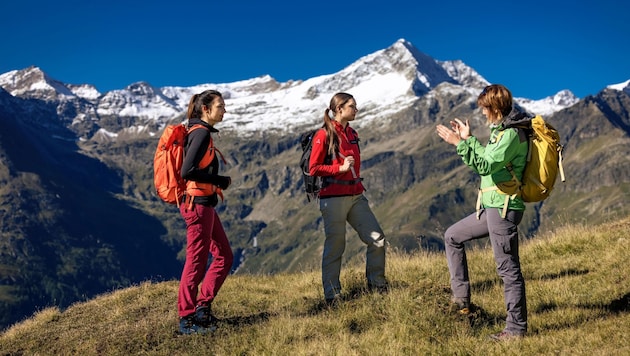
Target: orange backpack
{"x":167,"y":163}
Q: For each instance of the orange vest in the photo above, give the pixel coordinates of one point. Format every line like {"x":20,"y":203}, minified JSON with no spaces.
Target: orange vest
{"x":197,"y":189}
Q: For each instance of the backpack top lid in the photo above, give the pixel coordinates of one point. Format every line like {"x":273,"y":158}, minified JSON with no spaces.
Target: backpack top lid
{"x":306,"y":139}
{"x":518,"y":119}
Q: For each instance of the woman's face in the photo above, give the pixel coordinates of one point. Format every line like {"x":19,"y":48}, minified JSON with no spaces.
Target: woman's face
{"x":348,"y":111}
{"x":214,"y":113}
{"x":488,"y":113}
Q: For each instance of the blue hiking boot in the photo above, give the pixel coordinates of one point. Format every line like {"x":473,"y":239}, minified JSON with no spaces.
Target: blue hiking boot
{"x":203,"y":317}
{"x":188,"y":326}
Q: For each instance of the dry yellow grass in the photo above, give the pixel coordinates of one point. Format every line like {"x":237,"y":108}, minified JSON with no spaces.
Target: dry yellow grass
{"x":578,"y":290}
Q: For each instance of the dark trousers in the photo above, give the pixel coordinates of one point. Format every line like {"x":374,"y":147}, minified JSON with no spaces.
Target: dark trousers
{"x":503,"y":235}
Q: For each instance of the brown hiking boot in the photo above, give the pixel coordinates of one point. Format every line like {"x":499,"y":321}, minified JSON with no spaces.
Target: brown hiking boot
{"x":505,"y":336}
{"x":460,"y":305}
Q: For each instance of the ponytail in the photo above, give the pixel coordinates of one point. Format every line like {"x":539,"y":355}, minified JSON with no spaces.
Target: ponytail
{"x":191,"y":106}
{"x":331,"y":133}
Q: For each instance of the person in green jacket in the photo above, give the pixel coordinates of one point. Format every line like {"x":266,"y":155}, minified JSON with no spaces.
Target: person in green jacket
{"x":499,"y":208}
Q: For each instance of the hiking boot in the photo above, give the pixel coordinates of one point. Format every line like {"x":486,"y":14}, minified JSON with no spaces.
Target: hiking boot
{"x":187,"y":326}
{"x":460,"y":305}
{"x":334,"y":301}
{"x":505,"y":336}
{"x":382,"y":288}
{"x":204,"y":318}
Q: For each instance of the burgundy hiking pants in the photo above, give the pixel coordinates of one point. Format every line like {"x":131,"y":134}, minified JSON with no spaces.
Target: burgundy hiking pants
{"x":204,"y":236}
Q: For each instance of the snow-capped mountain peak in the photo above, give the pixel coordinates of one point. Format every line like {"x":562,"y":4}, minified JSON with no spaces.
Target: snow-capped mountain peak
{"x":625,"y":86}
{"x":33,"y":82}
{"x":138,"y":100}
{"x":384,"y":83}
{"x":464,"y":74}
{"x":549,"y":105}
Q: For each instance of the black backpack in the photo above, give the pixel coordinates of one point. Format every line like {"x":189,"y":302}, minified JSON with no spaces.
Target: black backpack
{"x":312,"y":184}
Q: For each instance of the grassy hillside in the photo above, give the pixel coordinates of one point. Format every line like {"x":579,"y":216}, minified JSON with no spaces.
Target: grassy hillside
{"x":578,"y":298}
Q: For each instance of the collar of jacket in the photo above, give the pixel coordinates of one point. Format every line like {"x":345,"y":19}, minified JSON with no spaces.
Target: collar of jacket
{"x":196,"y":121}
{"x":339,"y":126}
{"x":516,"y":118}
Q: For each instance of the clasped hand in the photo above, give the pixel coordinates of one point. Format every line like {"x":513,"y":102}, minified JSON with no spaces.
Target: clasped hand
{"x":459,"y":131}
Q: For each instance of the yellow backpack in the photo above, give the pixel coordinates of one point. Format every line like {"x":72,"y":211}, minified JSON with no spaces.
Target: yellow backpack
{"x":544,"y":162}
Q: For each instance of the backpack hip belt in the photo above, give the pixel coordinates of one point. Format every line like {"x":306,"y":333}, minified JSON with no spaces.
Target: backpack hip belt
{"x":189,"y":196}
{"x":506,"y":202}
{"x":329,"y":180}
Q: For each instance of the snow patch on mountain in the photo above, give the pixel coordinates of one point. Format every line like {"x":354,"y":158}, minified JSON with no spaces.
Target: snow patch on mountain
{"x":463,"y":74}
{"x":138,"y":100}
{"x":85,"y":91}
{"x":303,"y":104}
{"x":625,"y":86}
{"x":548,"y":105}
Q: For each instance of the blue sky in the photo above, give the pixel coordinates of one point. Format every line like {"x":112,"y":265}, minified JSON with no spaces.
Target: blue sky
{"x":536,"y":48}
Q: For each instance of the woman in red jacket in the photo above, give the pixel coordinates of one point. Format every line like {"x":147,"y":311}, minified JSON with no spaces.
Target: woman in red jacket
{"x":204,"y":231}
{"x":336,"y":157}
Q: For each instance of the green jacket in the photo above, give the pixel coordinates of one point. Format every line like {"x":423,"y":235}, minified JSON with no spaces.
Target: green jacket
{"x":490,"y":161}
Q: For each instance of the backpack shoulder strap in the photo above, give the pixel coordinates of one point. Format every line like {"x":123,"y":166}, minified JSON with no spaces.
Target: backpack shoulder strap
{"x":195,"y":127}
{"x":211,"y":149}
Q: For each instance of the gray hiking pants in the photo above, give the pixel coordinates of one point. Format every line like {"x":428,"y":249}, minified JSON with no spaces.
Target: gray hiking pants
{"x":356,"y":211}
{"x":504,"y":238}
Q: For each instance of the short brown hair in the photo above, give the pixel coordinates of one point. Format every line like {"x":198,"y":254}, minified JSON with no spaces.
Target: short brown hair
{"x":497,"y":99}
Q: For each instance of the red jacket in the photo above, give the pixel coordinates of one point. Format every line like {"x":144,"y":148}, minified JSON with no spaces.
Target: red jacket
{"x":347,"y":183}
